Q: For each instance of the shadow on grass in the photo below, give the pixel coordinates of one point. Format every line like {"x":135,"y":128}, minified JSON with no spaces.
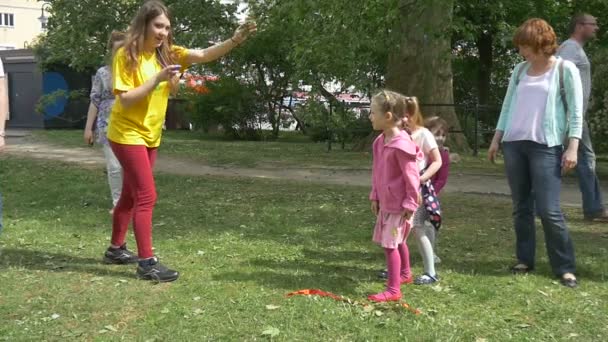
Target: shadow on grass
{"x":329,"y":271}
{"x":56,"y":262}
{"x":335,"y":271}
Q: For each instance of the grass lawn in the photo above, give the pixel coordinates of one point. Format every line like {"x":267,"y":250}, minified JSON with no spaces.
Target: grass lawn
{"x":242,"y":244}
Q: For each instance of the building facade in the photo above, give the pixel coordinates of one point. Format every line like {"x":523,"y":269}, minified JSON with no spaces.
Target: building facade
{"x":20,"y":22}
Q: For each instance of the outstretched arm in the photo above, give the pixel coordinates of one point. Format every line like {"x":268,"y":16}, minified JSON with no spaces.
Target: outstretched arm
{"x":216,"y":51}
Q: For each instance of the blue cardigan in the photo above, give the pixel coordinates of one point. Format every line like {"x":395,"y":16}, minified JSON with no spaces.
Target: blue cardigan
{"x":557,"y":126}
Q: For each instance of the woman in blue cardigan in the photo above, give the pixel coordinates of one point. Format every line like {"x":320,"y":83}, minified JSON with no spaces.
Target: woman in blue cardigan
{"x":542,"y":110}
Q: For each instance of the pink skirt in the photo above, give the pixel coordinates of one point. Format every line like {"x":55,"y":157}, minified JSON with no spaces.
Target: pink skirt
{"x":391,"y":230}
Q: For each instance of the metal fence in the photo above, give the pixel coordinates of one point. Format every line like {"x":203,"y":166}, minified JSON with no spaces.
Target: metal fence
{"x":476,"y":121}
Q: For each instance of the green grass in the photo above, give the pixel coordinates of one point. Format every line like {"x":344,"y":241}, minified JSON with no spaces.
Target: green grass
{"x":242,"y":244}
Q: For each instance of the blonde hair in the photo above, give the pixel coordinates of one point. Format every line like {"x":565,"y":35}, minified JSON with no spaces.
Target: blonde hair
{"x":412,"y":109}
{"x":390,"y":101}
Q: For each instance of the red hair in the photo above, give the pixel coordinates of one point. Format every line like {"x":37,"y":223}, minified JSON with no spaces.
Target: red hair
{"x":537,"y":34}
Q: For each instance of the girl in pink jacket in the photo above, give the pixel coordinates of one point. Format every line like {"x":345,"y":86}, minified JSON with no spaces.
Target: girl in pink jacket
{"x":395,"y":189}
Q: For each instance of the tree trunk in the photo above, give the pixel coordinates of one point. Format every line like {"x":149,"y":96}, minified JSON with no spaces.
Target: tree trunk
{"x":484,"y":46}
{"x":420,"y":64}
{"x":484,"y":77}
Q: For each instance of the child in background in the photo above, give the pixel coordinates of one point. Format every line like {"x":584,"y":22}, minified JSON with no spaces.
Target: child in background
{"x":395,"y":184}
{"x":439,"y":128}
{"x":102,"y":100}
{"x":429,"y":210}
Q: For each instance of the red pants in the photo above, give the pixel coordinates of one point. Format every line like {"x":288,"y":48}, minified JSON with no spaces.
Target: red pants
{"x":138,"y":196}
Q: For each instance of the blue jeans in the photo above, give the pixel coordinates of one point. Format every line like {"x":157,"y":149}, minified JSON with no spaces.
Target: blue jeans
{"x":593,"y":203}
{"x":531,"y":165}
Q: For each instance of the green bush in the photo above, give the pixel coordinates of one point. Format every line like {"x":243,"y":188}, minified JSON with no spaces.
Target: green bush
{"x":597,"y":115}
{"x":231,"y":104}
{"x":342,"y":124}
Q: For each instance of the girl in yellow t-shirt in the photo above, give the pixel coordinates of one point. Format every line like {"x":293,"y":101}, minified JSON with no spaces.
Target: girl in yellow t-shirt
{"x":144,"y":71}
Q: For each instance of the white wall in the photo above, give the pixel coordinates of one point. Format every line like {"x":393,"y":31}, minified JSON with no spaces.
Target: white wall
{"x":26,"y":24}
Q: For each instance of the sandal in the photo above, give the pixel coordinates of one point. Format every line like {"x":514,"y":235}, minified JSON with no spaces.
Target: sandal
{"x":569,"y":282}
{"x":426,"y":279}
{"x":384,"y":297}
{"x":383,"y":274}
{"x":521,"y":269}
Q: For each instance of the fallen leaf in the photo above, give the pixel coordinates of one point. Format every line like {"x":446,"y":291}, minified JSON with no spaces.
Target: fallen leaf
{"x":368,"y":308}
{"x":272,"y":307}
{"x":200,"y":253}
{"x":55,"y":316}
{"x":523,"y":326}
{"x":196,"y":298}
{"x":198,"y":311}
{"x":378,"y":313}
{"x":271,"y":332}
{"x":164,"y":311}
{"x":543,"y":293}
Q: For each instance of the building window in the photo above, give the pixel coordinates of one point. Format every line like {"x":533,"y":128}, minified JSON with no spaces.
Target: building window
{"x":7,"y":20}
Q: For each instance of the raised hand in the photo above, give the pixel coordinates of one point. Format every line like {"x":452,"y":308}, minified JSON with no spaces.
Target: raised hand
{"x":244,"y":31}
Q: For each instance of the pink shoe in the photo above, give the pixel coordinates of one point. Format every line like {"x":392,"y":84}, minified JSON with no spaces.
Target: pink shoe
{"x":407,"y":280}
{"x":384,"y":297}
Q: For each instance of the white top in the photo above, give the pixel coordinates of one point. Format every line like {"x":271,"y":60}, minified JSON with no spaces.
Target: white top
{"x":426,"y":142}
{"x":529,"y":114}
{"x":1,"y":69}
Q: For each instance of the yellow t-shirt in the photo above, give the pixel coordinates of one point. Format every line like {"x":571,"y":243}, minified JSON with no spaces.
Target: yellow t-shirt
{"x":142,"y":122}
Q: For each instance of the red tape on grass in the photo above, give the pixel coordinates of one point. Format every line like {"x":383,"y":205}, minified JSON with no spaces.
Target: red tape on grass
{"x":316,"y":292}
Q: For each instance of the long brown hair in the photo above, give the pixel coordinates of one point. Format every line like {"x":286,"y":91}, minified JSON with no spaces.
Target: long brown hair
{"x":136,"y":35}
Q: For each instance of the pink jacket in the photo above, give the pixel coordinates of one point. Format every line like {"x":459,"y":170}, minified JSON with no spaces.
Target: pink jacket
{"x":395,"y":177}
{"x":440,"y":178}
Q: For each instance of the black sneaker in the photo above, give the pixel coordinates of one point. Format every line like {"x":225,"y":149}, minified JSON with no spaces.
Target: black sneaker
{"x":119,"y":256}
{"x":151,"y":269}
